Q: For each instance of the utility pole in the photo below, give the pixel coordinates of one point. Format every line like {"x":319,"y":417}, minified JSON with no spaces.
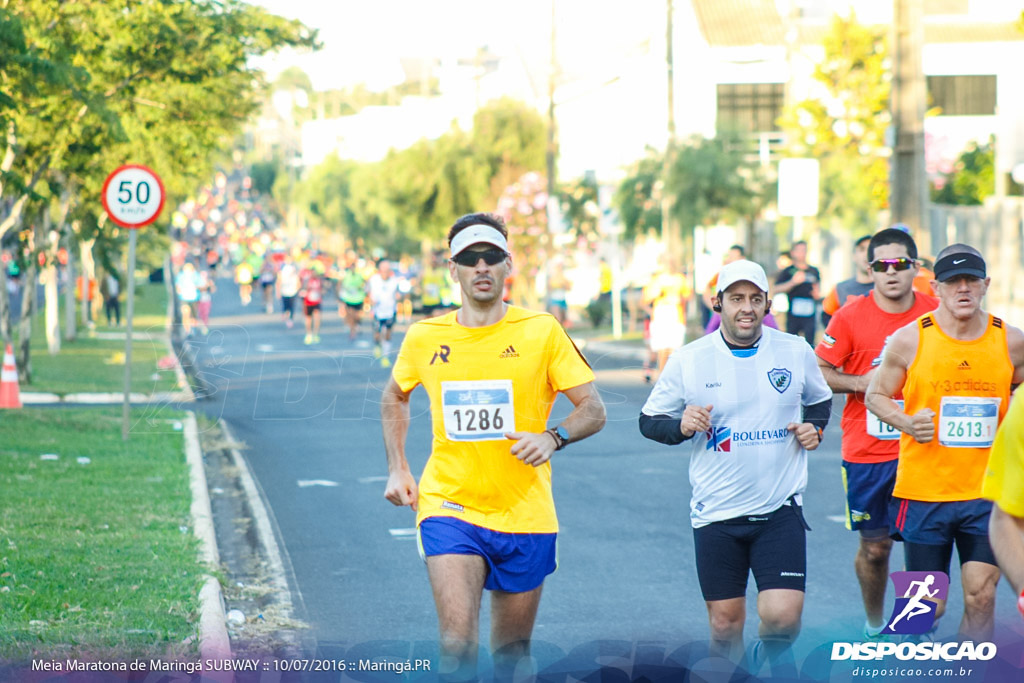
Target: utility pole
{"x":908,"y":195}
{"x":550,"y":154}
{"x":553,"y":212}
{"x":679,"y":243}
{"x":668,"y":232}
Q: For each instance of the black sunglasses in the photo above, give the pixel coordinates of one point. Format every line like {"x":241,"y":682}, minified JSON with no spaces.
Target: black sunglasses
{"x":881,"y":265}
{"x":491,"y":257}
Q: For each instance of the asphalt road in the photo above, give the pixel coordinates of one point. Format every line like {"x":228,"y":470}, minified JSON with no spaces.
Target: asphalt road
{"x":309,"y":418}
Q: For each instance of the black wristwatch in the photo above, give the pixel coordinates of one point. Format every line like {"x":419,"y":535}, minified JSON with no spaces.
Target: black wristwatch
{"x":561,"y":436}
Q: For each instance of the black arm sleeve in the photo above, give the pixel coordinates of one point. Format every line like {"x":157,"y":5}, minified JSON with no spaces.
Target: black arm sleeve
{"x":818,"y":414}
{"x":662,"y":428}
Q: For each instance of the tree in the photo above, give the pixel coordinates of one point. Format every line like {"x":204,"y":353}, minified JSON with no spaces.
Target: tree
{"x":463,"y":180}
{"x":638,"y":197}
{"x":580,"y":206}
{"x":511,"y":139}
{"x":710,"y":181}
{"x":522,"y":207}
{"x":159,"y":82}
{"x":263,"y":174}
{"x":324,"y":195}
{"x":294,"y":78}
{"x":414,"y":194}
{"x":844,"y":128}
{"x":973,"y":177}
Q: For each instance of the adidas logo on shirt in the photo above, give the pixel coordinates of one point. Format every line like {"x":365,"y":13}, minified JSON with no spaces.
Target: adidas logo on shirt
{"x":510,"y":352}
{"x":964,"y":366}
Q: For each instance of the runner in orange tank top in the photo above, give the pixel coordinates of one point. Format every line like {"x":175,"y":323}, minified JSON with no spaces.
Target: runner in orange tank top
{"x":955,"y":368}
{"x":849,"y":355}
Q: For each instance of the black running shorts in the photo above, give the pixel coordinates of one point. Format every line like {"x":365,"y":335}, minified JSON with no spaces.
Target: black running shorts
{"x":773,"y":546}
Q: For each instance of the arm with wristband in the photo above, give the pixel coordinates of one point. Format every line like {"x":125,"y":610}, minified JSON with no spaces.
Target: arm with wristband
{"x":586,"y":418}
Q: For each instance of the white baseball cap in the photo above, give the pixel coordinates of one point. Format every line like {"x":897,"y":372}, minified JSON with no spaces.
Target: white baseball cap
{"x":742,"y":271}
{"x":478,"y":233}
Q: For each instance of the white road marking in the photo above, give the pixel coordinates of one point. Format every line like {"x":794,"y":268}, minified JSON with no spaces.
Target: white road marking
{"x":305,"y":483}
{"x":371,"y":480}
{"x":841,"y":519}
{"x":402,"y":533}
{"x":264,"y":348}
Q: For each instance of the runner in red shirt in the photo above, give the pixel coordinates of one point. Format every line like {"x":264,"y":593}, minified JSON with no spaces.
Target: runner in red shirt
{"x":849,"y":353}
{"x":312,"y":298}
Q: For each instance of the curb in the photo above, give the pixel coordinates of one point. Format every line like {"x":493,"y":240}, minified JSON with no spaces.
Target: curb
{"x":264,"y":526}
{"x":213,"y":633}
{"x":36,"y":398}
{"x":186,"y":394}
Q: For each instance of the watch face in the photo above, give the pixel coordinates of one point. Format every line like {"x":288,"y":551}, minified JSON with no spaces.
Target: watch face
{"x":562,"y":434}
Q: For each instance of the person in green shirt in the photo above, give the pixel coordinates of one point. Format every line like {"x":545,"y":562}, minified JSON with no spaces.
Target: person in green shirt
{"x":351,"y":294}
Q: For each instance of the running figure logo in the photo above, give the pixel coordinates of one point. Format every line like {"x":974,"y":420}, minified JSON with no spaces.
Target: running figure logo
{"x":914,"y":612}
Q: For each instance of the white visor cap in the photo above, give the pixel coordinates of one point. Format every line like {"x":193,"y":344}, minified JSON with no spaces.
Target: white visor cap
{"x":742,"y":271}
{"x":478,"y":233}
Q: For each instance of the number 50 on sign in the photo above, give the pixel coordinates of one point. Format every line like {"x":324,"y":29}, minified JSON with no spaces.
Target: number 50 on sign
{"x":133,"y":196}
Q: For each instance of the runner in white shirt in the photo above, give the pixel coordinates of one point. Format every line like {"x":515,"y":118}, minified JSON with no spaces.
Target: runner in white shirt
{"x":759,"y":401}
{"x":289,"y":283}
{"x":383,"y":292}
{"x":187,"y":285}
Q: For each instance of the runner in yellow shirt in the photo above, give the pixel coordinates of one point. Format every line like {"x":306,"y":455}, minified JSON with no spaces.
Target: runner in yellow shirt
{"x":485,"y":513}
{"x":1004,"y":485}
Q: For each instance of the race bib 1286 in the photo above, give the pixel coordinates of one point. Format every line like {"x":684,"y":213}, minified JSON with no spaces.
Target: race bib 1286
{"x":479,"y":410}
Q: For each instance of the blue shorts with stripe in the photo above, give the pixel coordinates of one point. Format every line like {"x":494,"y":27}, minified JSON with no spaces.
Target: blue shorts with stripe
{"x":929,"y":532}
{"x":917,"y":521}
{"x":868,"y":489}
{"x":516,"y":563}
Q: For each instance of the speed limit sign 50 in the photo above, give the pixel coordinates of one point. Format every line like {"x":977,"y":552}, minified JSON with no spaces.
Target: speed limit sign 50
{"x":133,"y":196}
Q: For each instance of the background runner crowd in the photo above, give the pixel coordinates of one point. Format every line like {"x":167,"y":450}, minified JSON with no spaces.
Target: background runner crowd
{"x":926,"y":375}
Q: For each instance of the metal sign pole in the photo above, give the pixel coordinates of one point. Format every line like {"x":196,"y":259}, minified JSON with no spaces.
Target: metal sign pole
{"x":133,"y":196}
{"x":132,"y":238}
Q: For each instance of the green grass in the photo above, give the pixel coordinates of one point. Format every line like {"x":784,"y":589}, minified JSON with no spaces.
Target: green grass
{"x":90,"y":364}
{"x":97,"y":560}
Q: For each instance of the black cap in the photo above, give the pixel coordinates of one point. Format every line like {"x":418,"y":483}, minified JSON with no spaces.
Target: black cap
{"x":952,"y":265}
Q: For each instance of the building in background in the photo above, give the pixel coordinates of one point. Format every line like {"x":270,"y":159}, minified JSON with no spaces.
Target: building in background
{"x":970,"y":58}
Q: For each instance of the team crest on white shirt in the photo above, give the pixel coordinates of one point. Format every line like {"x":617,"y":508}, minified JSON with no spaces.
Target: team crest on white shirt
{"x":780,"y":378}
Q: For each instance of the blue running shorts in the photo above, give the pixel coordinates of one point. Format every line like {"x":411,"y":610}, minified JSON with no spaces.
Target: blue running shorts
{"x":516,"y":563}
{"x":930,"y":530}
{"x":868,"y":489}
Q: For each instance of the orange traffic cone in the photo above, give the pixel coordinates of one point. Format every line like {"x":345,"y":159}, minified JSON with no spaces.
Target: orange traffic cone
{"x":9,"y":395}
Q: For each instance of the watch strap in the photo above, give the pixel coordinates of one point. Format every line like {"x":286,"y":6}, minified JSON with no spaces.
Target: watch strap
{"x":559,"y":441}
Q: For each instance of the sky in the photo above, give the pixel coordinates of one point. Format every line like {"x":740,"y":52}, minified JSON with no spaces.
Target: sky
{"x":363,"y":40}
{"x":610,"y":72}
